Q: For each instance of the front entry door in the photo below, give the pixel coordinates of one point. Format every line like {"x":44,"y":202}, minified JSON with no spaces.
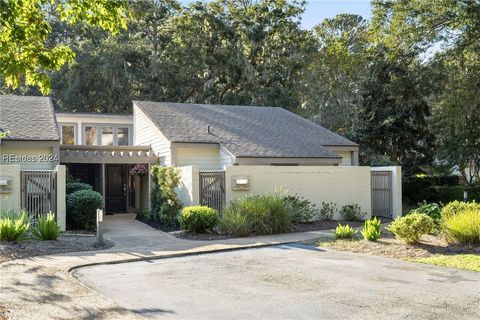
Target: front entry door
{"x":115,"y":189}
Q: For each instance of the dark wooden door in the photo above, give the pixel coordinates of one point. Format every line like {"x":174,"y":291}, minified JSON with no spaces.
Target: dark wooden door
{"x":115,"y":189}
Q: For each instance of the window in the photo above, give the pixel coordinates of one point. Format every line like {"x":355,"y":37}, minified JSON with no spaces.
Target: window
{"x":68,"y":135}
{"x":91,"y":136}
{"x":122,"y":136}
{"x":107,"y":136}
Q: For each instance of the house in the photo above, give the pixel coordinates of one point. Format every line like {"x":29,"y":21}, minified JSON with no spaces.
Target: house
{"x":214,"y":136}
{"x":101,"y":149}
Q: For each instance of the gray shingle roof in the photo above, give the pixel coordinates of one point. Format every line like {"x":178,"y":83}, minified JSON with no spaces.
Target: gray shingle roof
{"x":244,"y":131}
{"x":28,"y":118}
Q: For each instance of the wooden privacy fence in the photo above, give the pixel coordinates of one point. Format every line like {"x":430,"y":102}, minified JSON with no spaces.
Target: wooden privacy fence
{"x":382,"y":194}
{"x":39,"y":193}
{"x":212,"y":189}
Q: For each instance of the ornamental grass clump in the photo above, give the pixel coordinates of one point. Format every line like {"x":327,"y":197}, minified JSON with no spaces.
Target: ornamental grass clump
{"x":13,"y":225}
{"x":258,"y":215}
{"x":412,"y":227}
{"x":344,"y":232}
{"x":371,"y":229}
{"x":462,"y":227}
{"x":455,"y":207}
{"x":47,"y":228}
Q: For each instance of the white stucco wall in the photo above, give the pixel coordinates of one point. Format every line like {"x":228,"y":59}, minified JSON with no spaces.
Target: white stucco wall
{"x":11,"y":200}
{"x":346,"y":157}
{"x":206,"y":158}
{"x":342,"y":185}
{"x":29,"y":156}
{"x":188,"y":190}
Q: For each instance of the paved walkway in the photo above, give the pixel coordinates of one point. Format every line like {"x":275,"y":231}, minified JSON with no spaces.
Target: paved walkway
{"x":42,"y":288}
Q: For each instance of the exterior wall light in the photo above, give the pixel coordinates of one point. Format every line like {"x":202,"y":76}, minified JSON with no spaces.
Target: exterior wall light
{"x":5,"y":184}
{"x":240,"y":183}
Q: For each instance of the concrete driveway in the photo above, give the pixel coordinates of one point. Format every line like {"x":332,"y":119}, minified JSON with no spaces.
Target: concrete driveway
{"x":287,"y":282}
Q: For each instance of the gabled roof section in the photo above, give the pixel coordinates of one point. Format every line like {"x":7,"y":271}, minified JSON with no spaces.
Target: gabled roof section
{"x":28,"y":118}
{"x":243,"y":130}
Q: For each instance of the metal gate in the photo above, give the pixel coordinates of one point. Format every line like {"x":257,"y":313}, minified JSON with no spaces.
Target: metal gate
{"x":212,"y":189}
{"x":39,"y":193}
{"x":382,"y":194}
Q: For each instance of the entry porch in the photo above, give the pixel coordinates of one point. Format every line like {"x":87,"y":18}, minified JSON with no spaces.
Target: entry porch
{"x":112,"y":172}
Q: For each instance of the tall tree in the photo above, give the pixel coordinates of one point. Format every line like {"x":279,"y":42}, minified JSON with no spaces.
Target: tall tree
{"x":25,"y":26}
{"x":392,"y":119}
{"x":330,"y":83}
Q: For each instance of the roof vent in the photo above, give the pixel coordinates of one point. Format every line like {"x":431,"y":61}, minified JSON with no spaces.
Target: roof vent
{"x":208,"y":129}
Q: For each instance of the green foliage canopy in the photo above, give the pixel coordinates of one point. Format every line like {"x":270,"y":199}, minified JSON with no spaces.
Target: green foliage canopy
{"x":25,"y":27}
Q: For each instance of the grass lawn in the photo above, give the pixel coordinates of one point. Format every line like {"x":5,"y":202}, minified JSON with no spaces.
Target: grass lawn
{"x":432,"y":249}
{"x":461,"y":261}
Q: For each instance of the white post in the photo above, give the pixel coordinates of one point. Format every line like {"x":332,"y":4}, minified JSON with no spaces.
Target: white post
{"x":99,"y":226}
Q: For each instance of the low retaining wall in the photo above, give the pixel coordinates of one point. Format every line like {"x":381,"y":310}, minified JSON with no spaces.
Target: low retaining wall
{"x":342,"y":185}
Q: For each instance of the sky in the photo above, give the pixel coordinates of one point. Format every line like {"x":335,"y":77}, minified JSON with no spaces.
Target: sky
{"x":317,"y":10}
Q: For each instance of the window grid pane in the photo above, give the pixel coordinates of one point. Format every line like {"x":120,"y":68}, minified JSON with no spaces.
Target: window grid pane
{"x":68,"y":135}
{"x":107,"y":136}
{"x":91,"y":136}
{"x":122,"y":136}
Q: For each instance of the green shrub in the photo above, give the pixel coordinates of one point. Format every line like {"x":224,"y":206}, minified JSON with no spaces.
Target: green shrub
{"x":198,"y":218}
{"x":344,"y":232}
{"x":72,"y":187}
{"x":417,"y":188}
{"x":327,"y":211}
{"x":371,"y":229}
{"x":412,"y":227}
{"x":47,"y":228}
{"x":352,"y":212}
{"x":444,"y":194}
{"x":455,"y":207}
{"x":13,"y":225}
{"x":145,"y":215}
{"x":82,"y":206}
{"x":433,"y":210}
{"x":303,"y":209}
{"x":463,"y":227}
{"x":165,"y":201}
{"x":264,"y":214}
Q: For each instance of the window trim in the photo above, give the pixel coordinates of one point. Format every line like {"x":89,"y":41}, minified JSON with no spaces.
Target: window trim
{"x":115,"y":127}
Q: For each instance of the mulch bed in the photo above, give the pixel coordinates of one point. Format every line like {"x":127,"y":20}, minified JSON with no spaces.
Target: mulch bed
{"x":388,"y":246}
{"x":303,"y":227}
{"x":67,"y":242}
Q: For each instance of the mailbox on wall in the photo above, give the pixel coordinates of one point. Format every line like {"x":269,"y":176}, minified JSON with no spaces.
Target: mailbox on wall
{"x":240,"y":183}
{"x":5,"y":184}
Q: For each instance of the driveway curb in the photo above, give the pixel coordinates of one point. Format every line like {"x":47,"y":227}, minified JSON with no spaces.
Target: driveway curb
{"x":179,"y":254}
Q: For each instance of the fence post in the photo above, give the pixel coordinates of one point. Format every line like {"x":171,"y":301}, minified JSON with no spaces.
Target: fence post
{"x":99,"y":227}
